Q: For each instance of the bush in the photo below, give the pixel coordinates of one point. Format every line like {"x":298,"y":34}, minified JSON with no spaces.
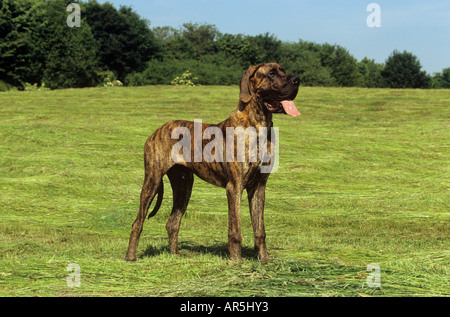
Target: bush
{"x":164,"y":72}
{"x":186,"y":79}
{"x":34,"y":87}
{"x":6,"y":87}
{"x":108,"y":79}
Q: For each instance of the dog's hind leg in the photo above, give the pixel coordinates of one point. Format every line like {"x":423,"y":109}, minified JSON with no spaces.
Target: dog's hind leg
{"x":152,"y":186}
{"x":256,"y":198}
{"x":181,"y":180}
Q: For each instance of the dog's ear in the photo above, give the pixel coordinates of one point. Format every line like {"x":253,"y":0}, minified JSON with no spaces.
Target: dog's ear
{"x":245,"y":95}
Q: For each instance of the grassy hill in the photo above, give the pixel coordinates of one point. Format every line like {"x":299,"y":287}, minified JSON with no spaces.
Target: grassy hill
{"x":363,"y":178}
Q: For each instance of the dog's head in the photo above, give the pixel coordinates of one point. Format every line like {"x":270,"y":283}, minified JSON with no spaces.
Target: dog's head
{"x":270,"y":87}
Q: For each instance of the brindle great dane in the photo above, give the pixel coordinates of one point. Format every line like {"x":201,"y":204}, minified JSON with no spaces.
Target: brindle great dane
{"x":264,"y":89}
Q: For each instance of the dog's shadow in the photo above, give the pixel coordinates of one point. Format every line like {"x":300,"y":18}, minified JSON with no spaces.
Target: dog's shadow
{"x":188,"y":249}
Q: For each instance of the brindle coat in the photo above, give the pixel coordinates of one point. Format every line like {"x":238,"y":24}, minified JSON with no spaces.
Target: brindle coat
{"x":262,"y":84}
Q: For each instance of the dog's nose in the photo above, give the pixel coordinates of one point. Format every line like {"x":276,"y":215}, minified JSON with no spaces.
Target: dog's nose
{"x":295,"y":81}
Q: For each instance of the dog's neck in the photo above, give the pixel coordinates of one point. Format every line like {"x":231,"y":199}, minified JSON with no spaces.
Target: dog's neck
{"x":253,"y":114}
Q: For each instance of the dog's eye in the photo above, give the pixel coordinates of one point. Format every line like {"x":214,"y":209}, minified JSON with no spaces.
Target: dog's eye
{"x":272,"y":73}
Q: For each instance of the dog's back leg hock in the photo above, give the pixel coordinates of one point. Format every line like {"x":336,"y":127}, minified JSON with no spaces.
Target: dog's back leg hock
{"x":148,"y":193}
{"x":181,"y":180}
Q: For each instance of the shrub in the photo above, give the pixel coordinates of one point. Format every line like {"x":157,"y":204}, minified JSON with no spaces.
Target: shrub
{"x":108,"y":79}
{"x":6,"y":87}
{"x":34,"y":87}
{"x":186,"y":79}
{"x":164,"y":72}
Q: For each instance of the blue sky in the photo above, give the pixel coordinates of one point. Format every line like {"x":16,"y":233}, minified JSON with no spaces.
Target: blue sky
{"x":420,"y":27}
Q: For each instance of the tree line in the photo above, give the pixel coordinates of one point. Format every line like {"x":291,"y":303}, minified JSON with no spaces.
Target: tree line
{"x":118,"y":47}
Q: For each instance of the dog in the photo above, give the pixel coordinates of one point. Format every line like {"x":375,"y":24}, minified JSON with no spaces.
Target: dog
{"x":265,"y":89}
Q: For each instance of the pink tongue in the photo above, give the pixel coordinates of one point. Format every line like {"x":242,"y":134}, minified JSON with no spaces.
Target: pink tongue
{"x":289,"y":107}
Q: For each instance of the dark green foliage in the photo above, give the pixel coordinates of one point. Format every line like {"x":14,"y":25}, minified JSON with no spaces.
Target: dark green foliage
{"x":37,"y":46}
{"x":300,"y":59}
{"x":342,"y":65}
{"x":124,"y":39}
{"x":71,"y":59}
{"x":441,"y":80}
{"x":163,"y":72}
{"x":201,"y":38}
{"x":445,"y":78}
{"x":403,"y":70}
{"x":371,"y":73}
{"x":235,"y":49}
{"x":267,"y":49}
{"x":21,"y":55}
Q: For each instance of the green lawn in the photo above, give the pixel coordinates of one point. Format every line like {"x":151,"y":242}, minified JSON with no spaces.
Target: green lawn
{"x":363,"y":178}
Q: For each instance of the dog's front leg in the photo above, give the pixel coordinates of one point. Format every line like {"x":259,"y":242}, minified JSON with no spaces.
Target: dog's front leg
{"x":234,"y":193}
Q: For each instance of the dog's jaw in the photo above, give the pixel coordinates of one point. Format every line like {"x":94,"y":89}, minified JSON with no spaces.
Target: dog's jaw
{"x":285,"y":106}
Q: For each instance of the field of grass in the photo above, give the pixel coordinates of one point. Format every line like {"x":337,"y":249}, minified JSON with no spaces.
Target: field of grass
{"x":363,"y":178}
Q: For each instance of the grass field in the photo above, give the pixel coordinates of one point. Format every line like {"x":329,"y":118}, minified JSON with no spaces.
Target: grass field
{"x":363,"y":178}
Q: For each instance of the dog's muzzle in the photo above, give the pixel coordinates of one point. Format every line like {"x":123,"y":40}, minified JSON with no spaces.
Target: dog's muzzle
{"x":286,"y":106}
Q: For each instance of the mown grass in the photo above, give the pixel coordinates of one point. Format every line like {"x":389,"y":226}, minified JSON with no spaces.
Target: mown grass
{"x":363,"y":178}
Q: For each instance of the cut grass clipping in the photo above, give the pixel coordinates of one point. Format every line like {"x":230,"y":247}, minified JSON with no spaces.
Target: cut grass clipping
{"x":363,"y":179}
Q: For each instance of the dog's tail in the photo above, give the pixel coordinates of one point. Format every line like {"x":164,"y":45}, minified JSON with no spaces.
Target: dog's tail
{"x":160,"y":193}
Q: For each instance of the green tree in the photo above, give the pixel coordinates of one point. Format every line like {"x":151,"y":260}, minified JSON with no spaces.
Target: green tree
{"x":265,"y":48}
{"x":174,"y":46}
{"x":436,"y":81}
{"x":303,"y":61}
{"x":342,"y":65}
{"x":403,"y":70}
{"x":235,"y":50}
{"x":22,"y":57}
{"x":446,"y":78}
{"x":71,"y":59}
{"x":201,"y":37}
{"x":371,"y":73}
{"x":441,"y":80}
{"x":125,"y":40}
